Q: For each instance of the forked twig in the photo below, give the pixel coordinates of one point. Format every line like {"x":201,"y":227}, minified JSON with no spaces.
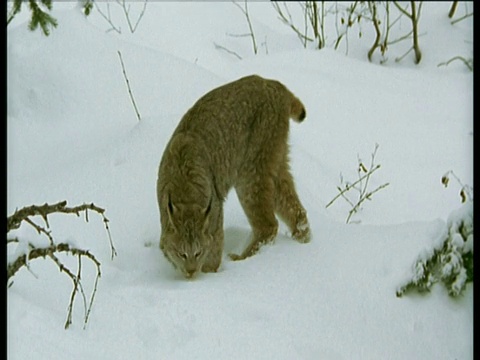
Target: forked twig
{"x":360,"y":185}
{"x":52,"y":249}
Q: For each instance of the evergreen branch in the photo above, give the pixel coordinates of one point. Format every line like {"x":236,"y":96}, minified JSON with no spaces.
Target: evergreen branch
{"x":17,"y":6}
{"x":40,"y":17}
{"x":450,"y":263}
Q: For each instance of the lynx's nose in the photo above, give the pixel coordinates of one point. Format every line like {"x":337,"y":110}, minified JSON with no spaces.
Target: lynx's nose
{"x":189,"y":274}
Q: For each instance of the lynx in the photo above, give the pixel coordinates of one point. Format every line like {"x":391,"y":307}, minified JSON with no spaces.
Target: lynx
{"x":234,"y":136}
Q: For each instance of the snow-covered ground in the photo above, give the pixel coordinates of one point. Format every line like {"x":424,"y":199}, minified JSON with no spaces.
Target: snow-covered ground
{"x":73,"y":135}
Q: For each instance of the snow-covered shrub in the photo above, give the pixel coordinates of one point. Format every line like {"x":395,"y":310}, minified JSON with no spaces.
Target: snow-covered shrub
{"x":451,"y":261}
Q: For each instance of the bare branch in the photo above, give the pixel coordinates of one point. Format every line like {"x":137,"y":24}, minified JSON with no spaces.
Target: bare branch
{"x":289,"y":22}
{"x":108,"y":17}
{"x":362,"y":199}
{"x":220,"y":47}
{"x":414,"y":16}
{"x":402,"y":10}
{"x":466,"y":191}
{"x":14,"y":221}
{"x":128,"y":86}
{"x":468,"y":63}
{"x":126,"y":11}
{"x":349,"y":23}
{"x":244,"y":10}
{"x":50,"y":252}
{"x":36,"y":253}
{"x":461,"y":18}
{"x":453,"y":9}
{"x":373,"y":8}
{"x":351,"y":186}
{"x":361,"y":186}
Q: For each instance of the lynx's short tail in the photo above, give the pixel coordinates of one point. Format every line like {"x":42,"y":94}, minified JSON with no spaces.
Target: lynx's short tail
{"x":297,"y":110}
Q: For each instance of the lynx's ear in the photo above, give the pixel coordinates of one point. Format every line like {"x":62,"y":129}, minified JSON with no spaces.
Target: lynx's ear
{"x":171,"y":210}
{"x":206,"y":213}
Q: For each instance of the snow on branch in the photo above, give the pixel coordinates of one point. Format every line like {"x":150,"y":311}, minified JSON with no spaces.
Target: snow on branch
{"x":53,"y":249}
{"x":451,"y":262}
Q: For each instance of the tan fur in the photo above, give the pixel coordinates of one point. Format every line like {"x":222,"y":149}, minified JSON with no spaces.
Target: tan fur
{"x":234,"y":136}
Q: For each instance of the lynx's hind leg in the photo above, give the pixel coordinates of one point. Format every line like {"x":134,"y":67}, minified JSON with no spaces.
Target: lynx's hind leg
{"x":288,"y":206}
{"x":257,"y":200}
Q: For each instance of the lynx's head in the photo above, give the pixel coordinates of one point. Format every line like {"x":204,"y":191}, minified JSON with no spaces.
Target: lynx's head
{"x":185,"y":240}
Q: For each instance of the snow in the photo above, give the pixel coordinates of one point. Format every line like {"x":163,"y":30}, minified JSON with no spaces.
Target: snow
{"x":72,"y":134}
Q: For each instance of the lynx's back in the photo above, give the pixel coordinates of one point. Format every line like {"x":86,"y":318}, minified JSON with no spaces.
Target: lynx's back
{"x":234,"y":119}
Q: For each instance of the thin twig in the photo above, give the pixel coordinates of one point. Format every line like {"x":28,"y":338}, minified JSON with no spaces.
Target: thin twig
{"x":289,"y":22}
{"x":128,"y":86}
{"x":362,"y":199}
{"x":92,"y":297}
{"x":361,"y":185}
{"x":76,"y":282}
{"x":126,"y":11}
{"x":40,"y":230}
{"x":349,"y":23}
{"x":466,"y":191}
{"x":220,"y":47}
{"x":468,"y":63}
{"x":250,"y":26}
{"x":348,"y":187}
{"x":461,"y":18}
{"x":107,"y":18}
